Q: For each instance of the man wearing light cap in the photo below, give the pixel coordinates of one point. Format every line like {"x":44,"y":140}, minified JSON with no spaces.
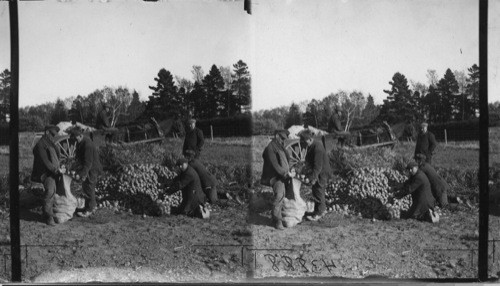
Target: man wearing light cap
{"x":420,"y":189}
{"x":192,"y":195}
{"x":426,"y":143}
{"x":276,"y":173}
{"x":47,"y":169}
{"x":318,"y":161}
{"x":194,"y":139}
{"x":89,"y":169}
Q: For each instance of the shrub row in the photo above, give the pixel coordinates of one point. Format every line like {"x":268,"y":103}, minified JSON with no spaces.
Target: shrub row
{"x":240,"y":125}
{"x":457,"y":130}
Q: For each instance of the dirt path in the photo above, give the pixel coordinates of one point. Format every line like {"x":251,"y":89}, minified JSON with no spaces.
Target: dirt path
{"x":353,"y":247}
{"x":172,"y":247}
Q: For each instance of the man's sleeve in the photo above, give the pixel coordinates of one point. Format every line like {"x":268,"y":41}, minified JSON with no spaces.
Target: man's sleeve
{"x":45,"y":159}
{"x":432,"y":143}
{"x":201,"y":140}
{"x":413,"y":184}
{"x":271,"y":158}
{"x":87,"y":161}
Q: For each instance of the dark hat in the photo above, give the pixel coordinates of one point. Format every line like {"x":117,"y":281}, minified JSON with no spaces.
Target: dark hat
{"x":52,"y":127}
{"x":181,"y":161}
{"x":192,"y":120}
{"x":283,"y":133}
{"x":424,"y":124}
{"x":306,"y":135}
{"x":73,"y":132}
{"x":411,"y":165}
{"x":104,"y":105}
{"x":420,"y":157}
{"x":189,"y":152}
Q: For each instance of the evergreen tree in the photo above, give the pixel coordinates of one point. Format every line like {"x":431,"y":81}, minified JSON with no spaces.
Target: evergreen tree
{"x":197,"y":99}
{"x":136,"y":107}
{"x":448,"y":90}
{"x":294,"y":116}
{"x":399,"y":105}
{"x":241,"y":85}
{"x":214,"y":87}
{"x":370,"y":112}
{"x":60,"y":113}
{"x":472,"y":90}
{"x":165,"y":101}
{"x":312,"y":113}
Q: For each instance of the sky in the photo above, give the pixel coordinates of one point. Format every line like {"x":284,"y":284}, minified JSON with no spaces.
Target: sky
{"x":296,"y":50}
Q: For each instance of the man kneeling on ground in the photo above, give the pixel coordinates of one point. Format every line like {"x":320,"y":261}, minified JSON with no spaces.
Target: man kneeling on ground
{"x":207,"y":180}
{"x":420,"y":189}
{"x":189,"y":183}
{"x":439,"y":187}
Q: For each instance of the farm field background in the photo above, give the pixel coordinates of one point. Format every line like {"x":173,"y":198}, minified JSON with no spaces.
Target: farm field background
{"x":170,"y":246}
{"x":176,"y":248}
{"x":360,"y":247}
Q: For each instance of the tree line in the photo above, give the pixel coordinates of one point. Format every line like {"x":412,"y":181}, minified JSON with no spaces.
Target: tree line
{"x":454,"y":97}
{"x":222,"y":93}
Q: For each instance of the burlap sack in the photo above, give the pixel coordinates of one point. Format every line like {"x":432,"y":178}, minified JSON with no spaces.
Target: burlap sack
{"x":65,"y":203}
{"x":294,"y":207}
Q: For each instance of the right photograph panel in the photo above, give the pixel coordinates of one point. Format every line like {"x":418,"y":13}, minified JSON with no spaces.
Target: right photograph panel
{"x":366,"y":142}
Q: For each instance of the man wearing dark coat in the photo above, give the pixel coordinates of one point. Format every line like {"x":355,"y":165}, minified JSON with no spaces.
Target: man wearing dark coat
{"x":276,"y":172}
{"x":47,"y":170}
{"x":420,"y":189}
{"x":426,"y":143}
{"x":192,"y":195}
{"x":207,"y":180}
{"x":335,"y":127}
{"x":89,"y":169}
{"x":318,"y":161}
{"x":103,"y":121}
{"x":194,"y":139}
{"x":439,"y":187}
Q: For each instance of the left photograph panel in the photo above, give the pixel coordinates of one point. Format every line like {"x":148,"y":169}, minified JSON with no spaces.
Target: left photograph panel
{"x":134,"y":141}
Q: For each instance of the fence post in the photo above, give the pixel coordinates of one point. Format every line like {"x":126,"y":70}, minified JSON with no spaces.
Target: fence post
{"x":211,"y":133}
{"x":445,"y":138}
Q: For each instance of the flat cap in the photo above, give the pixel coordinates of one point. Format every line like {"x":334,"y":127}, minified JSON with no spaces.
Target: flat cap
{"x":76,"y":131}
{"x":283,"y":133}
{"x":51,"y":127}
{"x":189,"y":152}
{"x":305,"y":134}
{"x":424,"y":124}
{"x":181,"y":161}
{"x":411,"y":165}
{"x":192,"y":120}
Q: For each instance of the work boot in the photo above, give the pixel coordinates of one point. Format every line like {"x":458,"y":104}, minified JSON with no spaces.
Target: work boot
{"x":279,"y":225}
{"x":315,"y":217}
{"x":50,"y":221}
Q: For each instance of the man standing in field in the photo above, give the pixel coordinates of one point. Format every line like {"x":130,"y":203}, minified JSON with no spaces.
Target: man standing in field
{"x":319,"y":163}
{"x":420,"y":189}
{"x":426,"y":143}
{"x":103,"y":121}
{"x":194,"y":139}
{"x":46,"y":169}
{"x":189,"y":183}
{"x":89,"y":169}
{"x":276,"y":172}
{"x":335,"y":127}
{"x":207,"y":180}
{"x":439,"y":187}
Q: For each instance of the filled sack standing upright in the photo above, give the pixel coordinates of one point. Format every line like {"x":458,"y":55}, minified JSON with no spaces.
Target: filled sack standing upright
{"x":294,"y":207}
{"x":65,"y":203}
